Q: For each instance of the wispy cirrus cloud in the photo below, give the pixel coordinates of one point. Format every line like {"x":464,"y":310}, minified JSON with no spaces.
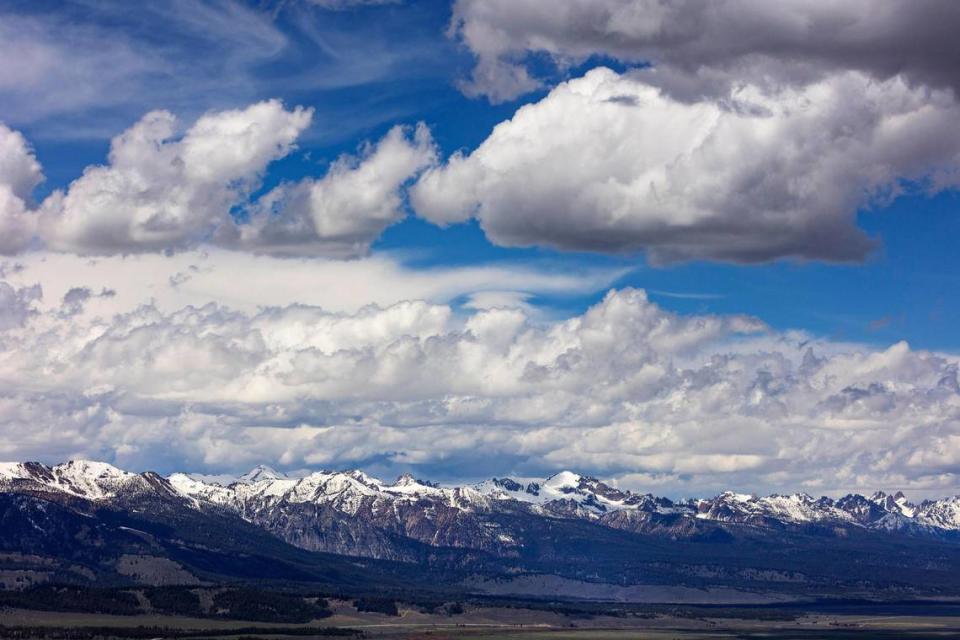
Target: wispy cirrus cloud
{"x":71,"y":61}
{"x":84,"y":69}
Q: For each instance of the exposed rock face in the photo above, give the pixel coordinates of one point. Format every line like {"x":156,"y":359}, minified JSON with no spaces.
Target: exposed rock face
{"x":351,"y":513}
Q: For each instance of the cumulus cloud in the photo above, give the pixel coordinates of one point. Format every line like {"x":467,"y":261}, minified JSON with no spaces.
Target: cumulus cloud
{"x":708,"y":48}
{"x":609,"y":162}
{"x":161,"y":192}
{"x":341,"y":213}
{"x":19,"y":174}
{"x":625,"y":388}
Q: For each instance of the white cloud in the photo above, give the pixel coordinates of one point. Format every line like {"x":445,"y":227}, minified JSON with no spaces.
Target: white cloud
{"x":247,"y":282}
{"x":708,"y":48}
{"x":519,"y":300}
{"x":160,"y":192}
{"x":341,"y":213}
{"x":19,"y":174}
{"x":498,"y":80}
{"x":608,"y":162}
{"x":624,"y":389}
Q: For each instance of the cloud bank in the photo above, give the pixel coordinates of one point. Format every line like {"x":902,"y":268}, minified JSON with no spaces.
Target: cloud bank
{"x":606,"y":163}
{"x":626,"y":388}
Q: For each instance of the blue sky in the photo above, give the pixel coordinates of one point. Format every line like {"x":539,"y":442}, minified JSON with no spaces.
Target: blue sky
{"x":905,"y":291}
{"x":783,"y":192}
{"x":370,"y":67}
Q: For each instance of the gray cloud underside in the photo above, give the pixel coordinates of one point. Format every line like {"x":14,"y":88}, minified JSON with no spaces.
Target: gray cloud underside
{"x":707,"y":48}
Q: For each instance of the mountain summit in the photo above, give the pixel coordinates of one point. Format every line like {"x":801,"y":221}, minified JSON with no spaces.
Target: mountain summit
{"x":261,"y":473}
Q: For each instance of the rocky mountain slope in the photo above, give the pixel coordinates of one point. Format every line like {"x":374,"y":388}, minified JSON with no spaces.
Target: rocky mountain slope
{"x":354,"y":513}
{"x":95,"y":519}
{"x":403,"y":506}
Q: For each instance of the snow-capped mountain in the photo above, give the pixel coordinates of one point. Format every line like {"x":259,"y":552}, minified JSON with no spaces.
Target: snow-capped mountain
{"x":92,"y":519}
{"x":572,"y":494}
{"x":569,"y":494}
{"x":261,"y":472}
{"x":354,"y":513}
{"x":345,"y":491}
{"x":80,"y":478}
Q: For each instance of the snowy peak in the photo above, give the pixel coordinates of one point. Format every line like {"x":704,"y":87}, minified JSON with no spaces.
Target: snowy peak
{"x":797,"y":508}
{"x":346,"y":492}
{"x":406,"y":480}
{"x":508,"y":488}
{"x":569,"y":494}
{"x":82,"y":478}
{"x":13,"y":471}
{"x":564,"y":482}
{"x":364,"y":479}
{"x":188,"y":485}
{"x":260,"y":473}
{"x":94,"y":480}
{"x":590,"y":493}
{"x":944,"y":513}
{"x":896,"y":503}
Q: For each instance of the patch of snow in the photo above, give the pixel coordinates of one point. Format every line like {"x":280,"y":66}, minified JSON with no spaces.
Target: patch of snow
{"x":12,"y":471}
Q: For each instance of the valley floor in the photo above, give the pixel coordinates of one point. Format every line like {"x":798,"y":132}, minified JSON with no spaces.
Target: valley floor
{"x":494,"y":623}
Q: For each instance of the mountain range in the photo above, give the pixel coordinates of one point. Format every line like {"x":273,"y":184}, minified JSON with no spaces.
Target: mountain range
{"x":568,"y":534}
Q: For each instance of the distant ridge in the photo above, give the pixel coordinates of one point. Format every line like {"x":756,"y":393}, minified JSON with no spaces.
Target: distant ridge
{"x":91,"y":523}
{"x":564,"y":494}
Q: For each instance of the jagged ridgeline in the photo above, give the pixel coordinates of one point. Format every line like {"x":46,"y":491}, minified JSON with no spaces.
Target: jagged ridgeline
{"x":89,"y":522}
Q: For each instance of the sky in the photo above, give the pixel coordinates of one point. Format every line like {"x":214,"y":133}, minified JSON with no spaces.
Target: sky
{"x":682,"y":246}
